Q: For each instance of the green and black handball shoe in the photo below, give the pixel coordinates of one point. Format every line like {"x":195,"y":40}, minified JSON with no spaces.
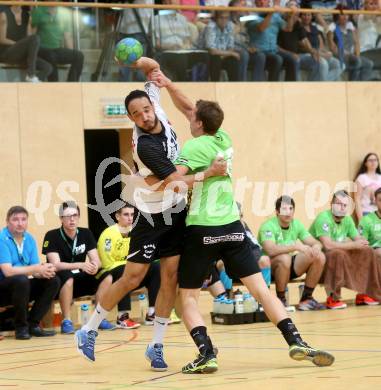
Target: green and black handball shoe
{"x":201,"y":365}
{"x":303,"y":351}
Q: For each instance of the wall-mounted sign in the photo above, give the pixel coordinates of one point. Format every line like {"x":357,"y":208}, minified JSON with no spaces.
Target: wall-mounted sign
{"x":113,"y":113}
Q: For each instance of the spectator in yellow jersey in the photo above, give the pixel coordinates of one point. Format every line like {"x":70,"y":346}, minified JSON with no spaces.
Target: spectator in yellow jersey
{"x":113,"y":246}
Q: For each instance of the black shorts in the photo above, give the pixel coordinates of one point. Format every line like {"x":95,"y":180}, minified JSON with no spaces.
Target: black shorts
{"x":163,"y":238}
{"x":293,"y":274}
{"x":83,"y":283}
{"x":204,"y":244}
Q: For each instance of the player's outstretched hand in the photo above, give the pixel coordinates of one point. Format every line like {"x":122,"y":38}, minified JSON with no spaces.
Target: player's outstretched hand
{"x":159,"y":78}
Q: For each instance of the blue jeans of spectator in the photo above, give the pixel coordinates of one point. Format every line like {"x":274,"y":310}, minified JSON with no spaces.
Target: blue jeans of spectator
{"x":243,"y":63}
{"x":129,"y":74}
{"x":258,"y":61}
{"x":359,"y":68}
{"x":330,"y":69}
{"x":293,"y":64}
{"x":63,"y":56}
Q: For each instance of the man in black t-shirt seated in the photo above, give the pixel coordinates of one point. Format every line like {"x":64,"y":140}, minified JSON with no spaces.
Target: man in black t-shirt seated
{"x":296,"y":50}
{"x":73,"y":251}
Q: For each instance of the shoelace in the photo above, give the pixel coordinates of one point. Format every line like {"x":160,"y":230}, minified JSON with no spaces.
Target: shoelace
{"x":91,"y":339}
{"x":158,"y":353}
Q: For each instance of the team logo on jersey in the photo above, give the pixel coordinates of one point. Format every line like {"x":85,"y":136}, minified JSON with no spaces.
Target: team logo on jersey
{"x":268,"y":234}
{"x":360,"y":230}
{"x":46,"y":244}
{"x":79,"y":249}
{"x":107,"y":244}
{"x":325,"y":227}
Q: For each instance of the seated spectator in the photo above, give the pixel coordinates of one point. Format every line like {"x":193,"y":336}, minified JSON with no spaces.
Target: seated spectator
{"x":330,"y":69}
{"x":368,"y":180}
{"x":53,"y":26}
{"x":370,"y":226}
{"x":344,"y":43}
{"x":19,"y":46}
{"x":263,"y":33}
{"x":218,"y":39}
{"x":72,"y":250}
{"x":190,"y":14}
{"x":296,"y":48}
{"x":130,"y":27}
{"x":176,"y":39}
{"x":369,"y":30}
{"x":241,"y":42}
{"x":113,"y":246}
{"x":351,"y":263}
{"x":23,"y":279}
{"x":293,"y":252}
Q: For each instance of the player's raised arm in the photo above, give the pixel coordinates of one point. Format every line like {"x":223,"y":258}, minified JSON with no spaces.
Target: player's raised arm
{"x":146,"y":65}
{"x":182,"y":102}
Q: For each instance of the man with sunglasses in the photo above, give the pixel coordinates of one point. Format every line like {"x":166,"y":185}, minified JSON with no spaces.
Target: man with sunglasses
{"x":23,"y":278}
{"x":73,"y":252}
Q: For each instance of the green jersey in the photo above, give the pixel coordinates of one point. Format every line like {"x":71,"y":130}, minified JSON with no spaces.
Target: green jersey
{"x":51,"y":26}
{"x":325,"y":226}
{"x":370,"y":229}
{"x":212,"y":201}
{"x":272,"y":231}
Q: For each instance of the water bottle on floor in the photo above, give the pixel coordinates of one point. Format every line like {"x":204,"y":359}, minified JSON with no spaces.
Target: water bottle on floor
{"x":85,"y":313}
{"x":238,"y":302}
{"x":143,"y":306}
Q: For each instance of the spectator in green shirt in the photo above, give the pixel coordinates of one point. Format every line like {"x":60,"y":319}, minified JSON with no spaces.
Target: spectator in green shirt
{"x":293,"y":252}
{"x":370,"y":226}
{"x":53,"y":26}
{"x":349,"y":258}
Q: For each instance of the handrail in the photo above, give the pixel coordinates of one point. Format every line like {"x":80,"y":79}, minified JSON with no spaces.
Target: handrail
{"x":184,"y":7}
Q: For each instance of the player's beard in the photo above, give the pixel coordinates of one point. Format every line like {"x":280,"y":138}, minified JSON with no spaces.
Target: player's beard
{"x":148,"y":128}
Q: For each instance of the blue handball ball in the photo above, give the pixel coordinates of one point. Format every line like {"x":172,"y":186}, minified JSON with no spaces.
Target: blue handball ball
{"x":128,"y":50}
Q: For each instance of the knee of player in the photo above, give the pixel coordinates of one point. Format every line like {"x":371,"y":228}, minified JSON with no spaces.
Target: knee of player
{"x":69,"y":283}
{"x":130,"y":282}
{"x":264,"y":262}
{"x":282,"y":261}
{"x":321,"y":259}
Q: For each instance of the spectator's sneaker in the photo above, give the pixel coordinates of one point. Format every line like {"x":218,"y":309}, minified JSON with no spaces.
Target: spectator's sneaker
{"x":85,"y":341}
{"x":310,"y":304}
{"x":201,"y":365}
{"x":67,"y":327}
{"x":124,"y":322}
{"x":289,"y":309}
{"x":173,"y":319}
{"x":334,"y":304}
{"x":362,"y":299}
{"x":32,"y":79}
{"x":149,"y":319}
{"x":155,"y":356}
{"x":303,"y":351}
{"x":106,"y":325}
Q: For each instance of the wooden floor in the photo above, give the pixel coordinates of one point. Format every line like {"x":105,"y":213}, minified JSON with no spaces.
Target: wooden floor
{"x":251,"y":356}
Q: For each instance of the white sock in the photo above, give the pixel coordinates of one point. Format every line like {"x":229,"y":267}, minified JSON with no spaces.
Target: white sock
{"x":96,"y":318}
{"x":151,"y":310}
{"x":159,"y":327}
